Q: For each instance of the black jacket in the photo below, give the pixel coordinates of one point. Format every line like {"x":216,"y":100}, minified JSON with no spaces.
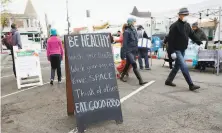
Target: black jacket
{"x":179,"y":35}
{"x":130,"y":40}
{"x":201,"y":35}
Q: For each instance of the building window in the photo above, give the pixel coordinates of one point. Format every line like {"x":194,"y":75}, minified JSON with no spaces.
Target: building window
{"x":27,"y":22}
{"x":32,"y":24}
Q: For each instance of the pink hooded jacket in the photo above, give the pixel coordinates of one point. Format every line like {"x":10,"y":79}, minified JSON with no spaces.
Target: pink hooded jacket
{"x":54,"y":46}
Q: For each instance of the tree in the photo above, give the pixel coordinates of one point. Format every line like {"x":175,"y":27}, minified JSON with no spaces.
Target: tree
{"x":4,"y":15}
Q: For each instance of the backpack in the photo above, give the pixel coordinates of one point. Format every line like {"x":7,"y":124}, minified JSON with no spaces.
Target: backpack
{"x":9,"y":39}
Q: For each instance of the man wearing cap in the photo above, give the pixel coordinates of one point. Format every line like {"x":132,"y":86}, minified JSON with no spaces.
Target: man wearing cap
{"x":179,"y":34}
{"x":202,"y":36}
{"x":143,"y":51}
{"x":199,"y":33}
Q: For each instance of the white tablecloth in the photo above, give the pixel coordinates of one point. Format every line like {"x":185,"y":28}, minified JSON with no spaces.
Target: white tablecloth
{"x":210,"y":55}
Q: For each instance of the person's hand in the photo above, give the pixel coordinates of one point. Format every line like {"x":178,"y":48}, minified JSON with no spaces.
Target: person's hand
{"x":173,"y":56}
{"x":48,"y":58}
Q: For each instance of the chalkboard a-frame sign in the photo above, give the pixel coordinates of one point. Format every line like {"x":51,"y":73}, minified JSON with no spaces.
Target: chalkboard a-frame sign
{"x":93,"y":78}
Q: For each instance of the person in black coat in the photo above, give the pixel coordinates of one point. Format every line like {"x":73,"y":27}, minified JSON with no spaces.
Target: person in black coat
{"x":200,"y":33}
{"x":165,"y":42}
{"x":130,"y":49}
{"x":179,"y":34}
{"x":143,"y":51}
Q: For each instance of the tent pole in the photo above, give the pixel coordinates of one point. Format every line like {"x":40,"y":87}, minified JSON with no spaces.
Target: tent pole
{"x":219,"y":28}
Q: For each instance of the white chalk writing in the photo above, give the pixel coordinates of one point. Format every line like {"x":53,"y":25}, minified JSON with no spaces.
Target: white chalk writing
{"x":77,"y":69}
{"x":109,"y":88}
{"x":100,"y":66}
{"x":82,"y":107}
{"x":81,"y":93}
{"x":72,"y":41}
{"x":75,"y":57}
{"x":94,"y":78}
{"x":95,"y":91}
{"x":101,"y":76}
{"x":99,"y":55}
{"x":95,"y":40}
{"x":79,"y":81}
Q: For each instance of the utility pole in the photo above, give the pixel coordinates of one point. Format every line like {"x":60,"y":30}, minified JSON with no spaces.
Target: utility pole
{"x":47,"y":25}
{"x":219,"y":28}
{"x":40,"y":35}
{"x":67,"y":16}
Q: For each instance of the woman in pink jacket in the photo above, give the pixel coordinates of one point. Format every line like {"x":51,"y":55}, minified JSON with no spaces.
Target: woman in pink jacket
{"x":55,"y":55}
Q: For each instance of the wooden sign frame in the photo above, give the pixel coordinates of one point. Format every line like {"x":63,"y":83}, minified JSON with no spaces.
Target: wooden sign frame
{"x":69,"y":96}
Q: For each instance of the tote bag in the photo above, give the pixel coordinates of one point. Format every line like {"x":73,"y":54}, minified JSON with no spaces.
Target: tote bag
{"x":144,"y":42}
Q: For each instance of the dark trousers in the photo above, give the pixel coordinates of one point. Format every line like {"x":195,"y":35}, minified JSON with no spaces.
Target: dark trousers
{"x":143,"y":53}
{"x":13,"y":62}
{"x":131,"y":60}
{"x":55,"y":61}
{"x":170,"y":61}
{"x":122,"y":55}
{"x":171,"y":64}
{"x":180,"y":64}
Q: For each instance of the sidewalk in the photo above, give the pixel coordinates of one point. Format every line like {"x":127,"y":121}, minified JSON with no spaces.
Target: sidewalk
{"x":4,"y":56}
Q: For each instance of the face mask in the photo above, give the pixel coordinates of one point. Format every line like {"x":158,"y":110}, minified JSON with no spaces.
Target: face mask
{"x":184,"y":19}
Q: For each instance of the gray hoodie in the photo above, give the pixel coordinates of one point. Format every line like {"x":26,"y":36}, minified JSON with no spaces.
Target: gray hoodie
{"x":16,"y":38}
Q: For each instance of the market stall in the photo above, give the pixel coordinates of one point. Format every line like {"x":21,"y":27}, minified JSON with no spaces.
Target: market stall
{"x":197,"y":54}
{"x":210,"y":58}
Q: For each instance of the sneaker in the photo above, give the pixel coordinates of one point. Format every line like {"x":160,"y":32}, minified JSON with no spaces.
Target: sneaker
{"x":148,"y":68}
{"x":142,"y":82}
{"x":170,"y":84}
{"x":51,"y":82}
{"x":194,"y":87}
{"x":59,"y":82}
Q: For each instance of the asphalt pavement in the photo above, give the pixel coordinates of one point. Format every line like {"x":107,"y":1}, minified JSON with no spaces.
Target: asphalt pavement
{"x":154,"y":109}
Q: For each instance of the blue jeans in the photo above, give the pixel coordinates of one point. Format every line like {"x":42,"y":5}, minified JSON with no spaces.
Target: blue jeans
{"x":143,"y":54}
{"x":180,"y":64}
